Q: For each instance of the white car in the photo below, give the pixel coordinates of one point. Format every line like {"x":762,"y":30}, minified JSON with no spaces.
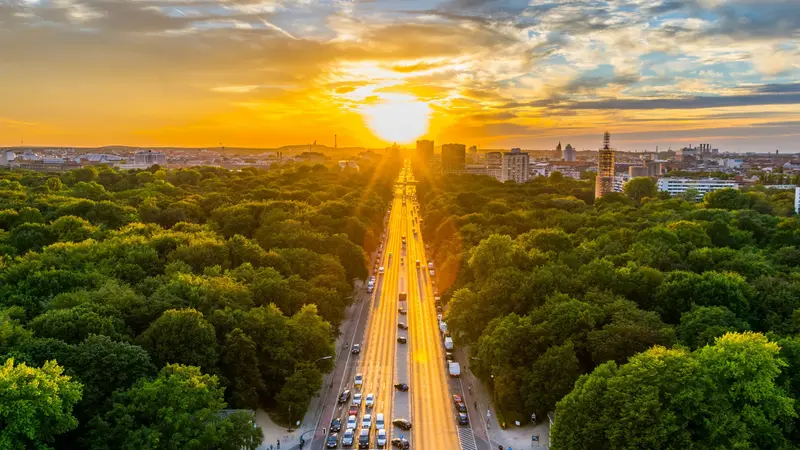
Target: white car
{"x":359,"y":380}
{"x":370,"y":400}
{"x":351,"y":422}
{"x":357,"y":399}
{"x":380,"y":270}
{"x":381,"y":439}
{"x":379,"y":421}
{"x":366,"y":421}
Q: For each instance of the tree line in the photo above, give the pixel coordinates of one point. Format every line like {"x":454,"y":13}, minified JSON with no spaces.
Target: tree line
{"x":643,"y":321}
{"x":146,"y":309}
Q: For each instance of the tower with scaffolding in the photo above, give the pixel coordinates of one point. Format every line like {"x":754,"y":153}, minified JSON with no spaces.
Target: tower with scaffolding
{"x":605,"y":168}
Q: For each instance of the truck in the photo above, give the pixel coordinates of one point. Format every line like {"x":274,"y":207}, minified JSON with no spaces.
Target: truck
{"x":448,"y":342}
{"x":454,"y":369}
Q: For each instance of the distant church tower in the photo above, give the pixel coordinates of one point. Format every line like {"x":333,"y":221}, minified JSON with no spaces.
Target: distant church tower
{"x":559,"y":153}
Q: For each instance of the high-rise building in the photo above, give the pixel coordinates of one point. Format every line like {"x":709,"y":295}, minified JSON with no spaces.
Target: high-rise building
{"x":424,"y":150}
{"x":515,"y":166}
{"x":605,"y":168}
{"x":569,"y":153}
{"x":453,"y":158}
{"x":473,"y":154}
{"x":559,"y":153}
{"x":150,"y":157}
{"x":647,"y":169}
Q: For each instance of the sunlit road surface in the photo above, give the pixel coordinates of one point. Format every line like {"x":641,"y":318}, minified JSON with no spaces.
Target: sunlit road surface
{"x":432,"y":411}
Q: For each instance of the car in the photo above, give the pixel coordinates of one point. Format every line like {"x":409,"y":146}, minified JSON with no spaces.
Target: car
{"x":380,"y":440}
{"x":457,"y":398}
{"x":336,"y":424}
{"x":370,"y":400}
{"x":390,"y":255}
{"x":363,"y":439}
{"x":347,"y":438}
{"x":344,"y":396}
{"x":461,"y":407}
{"x":401,"y":387}
{"x":449,"y":356}
{"x":402,"y":261}
{"x":357,"y":399}
{"x":400,"y":443}
{"x":352,"y":421}
{"x":402,"y":339}
{"x":402,"y":326}
{"x":380,"y":270}
{"x":359,"y":380}
{"x":401,"y":310}
{"x":353,"y":411}
{"x":379,"y":421}
{"x":356,"y":349}
{"x":463,"y":419}
{"x":403,"y":424}
{"x":366,"y":421}
{"x":332,"y":441}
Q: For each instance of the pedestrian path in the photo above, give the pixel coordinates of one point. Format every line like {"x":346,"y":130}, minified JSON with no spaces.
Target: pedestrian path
{"x":467,"y":439}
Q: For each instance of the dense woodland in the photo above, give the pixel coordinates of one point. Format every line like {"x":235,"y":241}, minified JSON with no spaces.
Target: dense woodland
{"x":136,"y":306}
{"x":661,"y":322}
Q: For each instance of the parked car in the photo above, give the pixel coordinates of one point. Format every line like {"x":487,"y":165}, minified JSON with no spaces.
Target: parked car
{"x":403,"y":424}
{"x":463,"y":419}
{"x":344,"y":396}
{"x":402,"y":326}
{"x":401,"y":387}
{"x":336,"y":424}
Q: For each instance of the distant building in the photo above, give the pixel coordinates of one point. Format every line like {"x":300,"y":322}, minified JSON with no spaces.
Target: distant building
{"x":473,"y":154}
{"x":150,"y":157}
{"x":797,"y":200}
{"x":477,"y":169}
{"x":424,"y":150}
{"x":604,"y":183}
{"x":647,"y":169}
{"x":559,"y":153}
{"x":7,"y":158}
{"x":677,"y":186}
{"x":348,"y":163}
{"x":515,"y":166}
{"x":570,"y":154}
{"x":620,"y":181}
{"x":97,"y":158}
{"x":453,"y":158}
{"x":494,"y":159}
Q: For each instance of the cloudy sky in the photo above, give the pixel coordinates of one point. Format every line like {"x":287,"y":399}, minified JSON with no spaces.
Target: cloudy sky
{"x":502,"y":73}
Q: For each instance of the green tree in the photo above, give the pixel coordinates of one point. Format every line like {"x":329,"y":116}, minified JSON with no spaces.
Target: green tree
{"x":73,"y":325}
{"x":641,"y":187}
{"x":35,"y":405}
{"x":703,"y":324}
{"x":181,"y":408}
{"x":182,"y":337}
{"x":551,"y":378}
{"x":301,"y":386}
{"x":240,"y":365}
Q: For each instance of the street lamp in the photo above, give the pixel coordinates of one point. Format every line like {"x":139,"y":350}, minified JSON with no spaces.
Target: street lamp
{"x":322,"y":359}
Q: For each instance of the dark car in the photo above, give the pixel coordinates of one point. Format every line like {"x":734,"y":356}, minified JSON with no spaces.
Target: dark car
{"x":401,"y":387}
{"x":336,"y":424}
{"x":402,"y":339}
{"x":461,"y":407}
{"x":344,"y":396}
{"x":404,"y":424}
{"x":449,"y":356}
{"x":463,"y":419}
{"x":400,"y":443}
{"x":356,"y":349}
{"x":402,"y":326}
{"x":401,"y":310}
{"x":332,"y":441}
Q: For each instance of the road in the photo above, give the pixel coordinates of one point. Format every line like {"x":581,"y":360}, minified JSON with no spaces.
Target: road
{"x":383,"y":361}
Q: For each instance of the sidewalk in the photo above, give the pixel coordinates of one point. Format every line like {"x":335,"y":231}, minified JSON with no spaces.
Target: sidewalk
{"x":513,"y":437}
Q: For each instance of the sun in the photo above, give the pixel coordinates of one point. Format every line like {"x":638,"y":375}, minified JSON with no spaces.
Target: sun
{"x":397,"y":118}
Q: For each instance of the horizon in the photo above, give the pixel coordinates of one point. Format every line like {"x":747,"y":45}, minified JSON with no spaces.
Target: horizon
{"x":491,"y":73}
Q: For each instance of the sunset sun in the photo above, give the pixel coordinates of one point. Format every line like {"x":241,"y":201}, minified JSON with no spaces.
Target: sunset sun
{"x":398,"y":118}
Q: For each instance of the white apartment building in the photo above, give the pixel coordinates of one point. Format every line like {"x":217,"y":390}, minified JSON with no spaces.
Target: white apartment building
{"x":677,"y":186}
{"x":515,"y":166}
{"x":797,"y":200}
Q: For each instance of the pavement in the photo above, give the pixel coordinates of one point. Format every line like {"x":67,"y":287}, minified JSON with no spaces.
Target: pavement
{"x":513,"y":437}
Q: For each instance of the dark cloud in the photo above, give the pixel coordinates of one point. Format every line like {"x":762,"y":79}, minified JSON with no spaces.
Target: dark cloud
{"x":589,"y":84}
{"x":779,"y":88}
{"x":688,"y":102}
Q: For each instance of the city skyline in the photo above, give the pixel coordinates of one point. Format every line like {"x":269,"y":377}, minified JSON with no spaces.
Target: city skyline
{"x":496,"y":74}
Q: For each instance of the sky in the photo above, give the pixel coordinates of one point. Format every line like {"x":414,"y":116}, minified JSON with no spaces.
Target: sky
{"x":490,"y":73}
